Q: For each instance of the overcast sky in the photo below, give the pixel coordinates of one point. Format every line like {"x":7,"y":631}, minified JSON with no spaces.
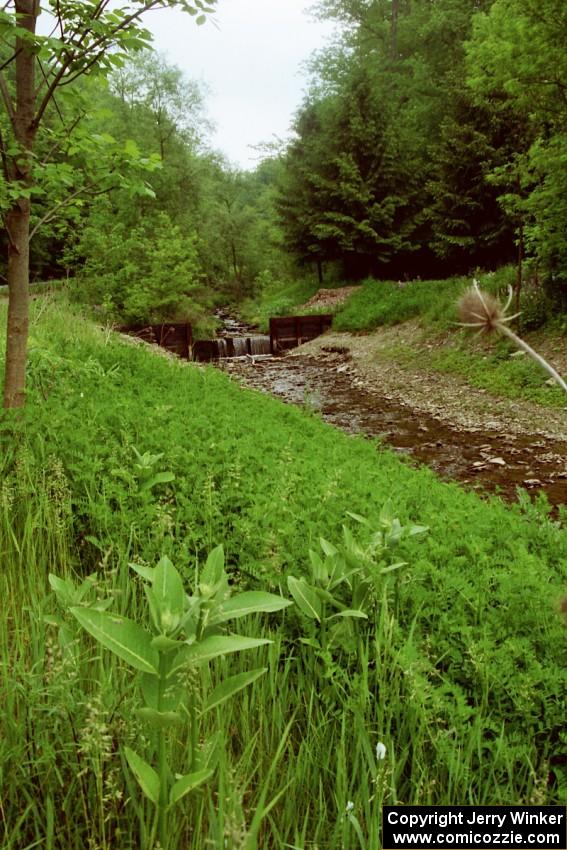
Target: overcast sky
{"x":251,"y":63}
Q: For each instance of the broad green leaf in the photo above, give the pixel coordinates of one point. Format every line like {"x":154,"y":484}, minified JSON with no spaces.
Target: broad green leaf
{"x":213,"y":647}
{"x":52,"y":621}
{"x":346,"y":573}
{"x":153,"y":607}
{"x":213,"y":570}
{"x":159,"y":719}
{"x":190,"y":618}
{"x":312,"y":642}
{"x":163,"y":643}
{"x":306,"y":597}
{"x":319,"y":571}
{"x":327,"y":547}
{"x":357,"y":518}
{"x":168,"y":594}
{"x":340,"y":571}
{"x":350,"y":542}
{"x":188,"y":783}
{"x":394,"y":533}
{"x":250,"y":602}
{"x":416,"y":529}
{"x":350,"y":612}
{"x":328,"y":598}
{"x":143,"y":571}
{"x":231,"y":686}
{"x":393,"y":567}
{"x":124,"y":637}
{"x":85,"y":587}
{"x":102,"y":604}
{"x":158,"y":478}
{"x":168,"y":701}
{"x":64,"y":589}
{"x":146,"y":775}
{"x":386,"y":515}
{"x":361,"y":594}
{"x":131,"y":148}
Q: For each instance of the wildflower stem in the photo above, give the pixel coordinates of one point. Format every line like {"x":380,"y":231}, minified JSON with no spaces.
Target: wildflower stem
{"x":503,"y":329}
{"x":194,"y":727}
{"x":162,"y":760}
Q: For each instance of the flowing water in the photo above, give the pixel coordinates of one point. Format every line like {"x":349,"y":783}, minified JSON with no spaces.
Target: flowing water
{"x":234,"y":339}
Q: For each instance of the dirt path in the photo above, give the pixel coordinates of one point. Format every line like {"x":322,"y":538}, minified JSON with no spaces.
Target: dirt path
{"x":463,"y":433}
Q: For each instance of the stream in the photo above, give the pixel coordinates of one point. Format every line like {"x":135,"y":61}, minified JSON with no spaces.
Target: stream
{"x":483,"y":460}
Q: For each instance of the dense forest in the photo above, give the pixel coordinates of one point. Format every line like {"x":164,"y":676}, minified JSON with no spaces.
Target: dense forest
{"x":432,"y":140}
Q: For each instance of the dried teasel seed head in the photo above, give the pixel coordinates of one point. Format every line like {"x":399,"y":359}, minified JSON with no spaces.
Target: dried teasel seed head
{"x":480,"y":309}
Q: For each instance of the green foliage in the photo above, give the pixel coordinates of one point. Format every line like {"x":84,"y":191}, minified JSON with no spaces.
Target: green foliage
{"x":469,"y":225}
{"x":463,"y":654}
{"x":389,"y":173}
{"x":348,"y":580}
{"x":150,"y":273}
{"x":182,"y":636}
{"x":517,"y":49}
{"x":349,"y":180}
{"x":431,"y":301}
{"x":499,"y":370}
{"x":545,"y":205}
{"x":130,"y":181}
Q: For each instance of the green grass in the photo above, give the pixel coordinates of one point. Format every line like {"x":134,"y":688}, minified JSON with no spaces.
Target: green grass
{"x":493,"y":365}
{"x":500,"y":370}
{"x":434,"y":305}
{"x":460,"y":670}
{"x":380,"y":303}
{"x":39,"y":287}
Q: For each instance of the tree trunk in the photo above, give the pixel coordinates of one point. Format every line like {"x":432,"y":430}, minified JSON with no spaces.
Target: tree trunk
{"x":234,"y":260}
{"x":18,"y":218}
{"x":18,"y":225}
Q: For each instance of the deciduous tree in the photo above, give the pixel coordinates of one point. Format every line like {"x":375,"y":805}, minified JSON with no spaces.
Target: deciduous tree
{"x":86,"y":38}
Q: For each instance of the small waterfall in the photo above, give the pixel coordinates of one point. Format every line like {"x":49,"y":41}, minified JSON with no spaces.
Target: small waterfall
{"x":259,"y":344}
{"x":234,"y":339}
{"x":240,"y":346}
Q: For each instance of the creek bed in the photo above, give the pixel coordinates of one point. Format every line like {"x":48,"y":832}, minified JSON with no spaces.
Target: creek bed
{"x":482,"y":459}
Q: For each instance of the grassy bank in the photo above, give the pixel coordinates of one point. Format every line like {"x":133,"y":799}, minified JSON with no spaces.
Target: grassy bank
{"x":457,"y":666}
{"x":433,"y":302}
{"x":491,"y":363}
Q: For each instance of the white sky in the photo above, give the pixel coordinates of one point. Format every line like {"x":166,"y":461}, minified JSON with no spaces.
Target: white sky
{"x":250,"y":62}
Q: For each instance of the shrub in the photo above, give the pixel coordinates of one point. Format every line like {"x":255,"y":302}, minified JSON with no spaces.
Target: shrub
{"x":150,"y":273}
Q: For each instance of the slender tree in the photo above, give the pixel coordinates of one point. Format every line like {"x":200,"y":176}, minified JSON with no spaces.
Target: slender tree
{"x":87,"y":38}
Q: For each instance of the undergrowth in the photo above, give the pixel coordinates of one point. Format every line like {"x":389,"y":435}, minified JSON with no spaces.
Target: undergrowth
{"x":392,"y":302}
{"x":452,"y":691}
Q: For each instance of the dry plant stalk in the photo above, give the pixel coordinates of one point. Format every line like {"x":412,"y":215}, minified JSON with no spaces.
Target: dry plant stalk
{"x":482,"y":311}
